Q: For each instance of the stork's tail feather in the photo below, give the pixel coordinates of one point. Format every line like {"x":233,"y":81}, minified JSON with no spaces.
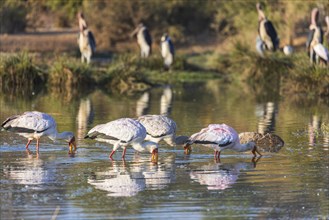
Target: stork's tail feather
{"x":6,"y":125}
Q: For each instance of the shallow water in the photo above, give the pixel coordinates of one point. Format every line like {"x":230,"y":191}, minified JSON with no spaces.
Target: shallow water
{"x":293,"y":183}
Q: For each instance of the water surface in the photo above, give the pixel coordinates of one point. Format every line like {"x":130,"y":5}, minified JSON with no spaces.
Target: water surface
{"x":292,"y":183}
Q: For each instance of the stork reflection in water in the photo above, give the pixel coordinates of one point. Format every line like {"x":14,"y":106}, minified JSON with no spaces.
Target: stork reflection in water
{"x":267,"y":116}
{"x":126,"y":180}
{"x":142,"y":104}
{"x":84,"y":117}
{"x":219,"y":176}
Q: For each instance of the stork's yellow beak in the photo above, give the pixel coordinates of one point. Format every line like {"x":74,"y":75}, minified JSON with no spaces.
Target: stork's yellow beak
{"x":154,"y":158}
{"x":72,"y":147}
{"x":187,"y":149}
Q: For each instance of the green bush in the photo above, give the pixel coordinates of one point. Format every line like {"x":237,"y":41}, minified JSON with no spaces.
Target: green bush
{"x":19,"y":71}
{"x":70,"y":73}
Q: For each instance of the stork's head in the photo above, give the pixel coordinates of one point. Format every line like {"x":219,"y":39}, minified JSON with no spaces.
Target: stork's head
{"x":70,"y":138}
{"x":82,"y":22}
{"x":164,"y":37}
{"x":139,"y":26}
{"x":187,"y":147}
{"x":261,"y":15}
{"x":259,"y":6}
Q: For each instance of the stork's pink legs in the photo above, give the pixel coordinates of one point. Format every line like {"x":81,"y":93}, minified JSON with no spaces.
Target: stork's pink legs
{"x":124,"y":153}
{"x":37,"y":146}
{"x":113,"y":151}
{"x":27,"y":145}
{"x":217,"y":155}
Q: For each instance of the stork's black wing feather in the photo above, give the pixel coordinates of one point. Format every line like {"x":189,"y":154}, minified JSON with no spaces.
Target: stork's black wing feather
{"x":92,"y":41}
{"x":100,"y":135}
{"x":309,"y":39}
{"x":171,"y":47}
{"x":147,"y":36}
{"x":270,"y":30}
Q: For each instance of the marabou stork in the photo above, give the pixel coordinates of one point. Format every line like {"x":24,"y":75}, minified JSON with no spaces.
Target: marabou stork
{"x":268,"y":38}
{"x":86,"y":40}
{"x":144,"y":40}
{"x":167,"y":50}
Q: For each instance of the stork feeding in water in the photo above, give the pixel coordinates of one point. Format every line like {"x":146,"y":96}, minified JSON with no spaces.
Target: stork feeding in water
{"x":144,"y":40}
{"x":160,"y":127}
{"x":314,"y":44}
{"x":167,"y":51}
{"x":86,"y":40}
{"x":121,"y":133}
{"x":267,"y":38}
{"x":34,"y":125}
{"x":220,"y":137}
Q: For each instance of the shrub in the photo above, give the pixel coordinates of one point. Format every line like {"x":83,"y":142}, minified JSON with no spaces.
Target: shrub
{"x":70,"y":73}
{"x":19,"y":71}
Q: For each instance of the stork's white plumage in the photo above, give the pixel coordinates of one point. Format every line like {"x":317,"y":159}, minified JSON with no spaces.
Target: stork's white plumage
{"x":288,"y":50}
{"x":321,"y":52}
{"x":86,"y":40}
{"x":160,"y":127}
{"x":167,"y":50}
{"x":315,"y":37}
{"x":121,"y":133}
{"x":34,"y":125}
{"x":220,"y":137}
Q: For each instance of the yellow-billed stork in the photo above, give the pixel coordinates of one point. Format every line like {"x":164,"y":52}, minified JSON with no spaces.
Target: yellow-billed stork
{"x":34,"y":125}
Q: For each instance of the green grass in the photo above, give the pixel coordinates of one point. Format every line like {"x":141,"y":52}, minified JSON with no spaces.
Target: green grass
{"x":69,"y":72}
{"x":19,"y":71}
{"x":128,"y":73}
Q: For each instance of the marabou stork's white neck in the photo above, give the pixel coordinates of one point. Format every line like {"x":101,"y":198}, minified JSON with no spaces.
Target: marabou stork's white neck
{"x":314,"y":16}
{"x":82,"y":22}
{"x":261,"y":14}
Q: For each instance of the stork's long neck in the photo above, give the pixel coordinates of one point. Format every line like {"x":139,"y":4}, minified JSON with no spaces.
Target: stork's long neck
{"x":56,"y":135}
{"x":314,"y":17}
{"x":145,"y":146}
{"x":261,"y":14}
{"x":242,"y":147}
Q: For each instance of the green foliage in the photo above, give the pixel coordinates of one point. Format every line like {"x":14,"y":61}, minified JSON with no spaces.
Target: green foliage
{"x":12,"y":16}
{"x":125,"y":72}
{"x":19,"y":71}
{"x":68,"y":72}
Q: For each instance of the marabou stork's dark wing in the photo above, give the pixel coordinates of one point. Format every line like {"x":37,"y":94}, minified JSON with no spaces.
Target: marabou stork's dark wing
{"x":92,"y":41}
{"x":270,"y":30}
{"x":147,"y":36}
{"x":309,"y":39}
{"x":171,"y":47}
